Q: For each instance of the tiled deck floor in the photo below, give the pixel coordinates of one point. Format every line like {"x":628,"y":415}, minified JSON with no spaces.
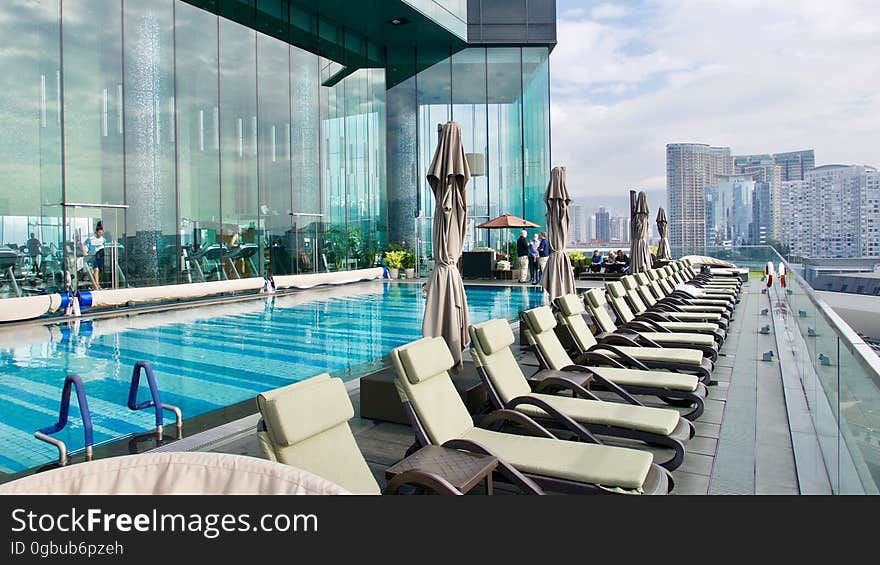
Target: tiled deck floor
{"x":742,"y":444}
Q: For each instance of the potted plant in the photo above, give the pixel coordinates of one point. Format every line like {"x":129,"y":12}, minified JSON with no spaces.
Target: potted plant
{"x":409,"y":264}
{"x":394,"y":262}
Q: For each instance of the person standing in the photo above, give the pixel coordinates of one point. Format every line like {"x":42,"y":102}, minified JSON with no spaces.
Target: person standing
{"x":533,"y":259}
{"x":522,"y":256}
{"x":93,"y":247}
{"x":543,"y":254}
{"x":33,"y":249}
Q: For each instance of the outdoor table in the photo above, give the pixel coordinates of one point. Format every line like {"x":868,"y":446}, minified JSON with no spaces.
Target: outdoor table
{"x":463,"y":470}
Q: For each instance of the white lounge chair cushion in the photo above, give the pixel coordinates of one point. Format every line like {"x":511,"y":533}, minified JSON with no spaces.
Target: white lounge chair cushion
{"x":570,"y":304}
{"x":689,"y":326}
{"x":493,"y":336}
{"x":685,"y":316}
{"x":296,"y":414}
{"x":540,"y":319}
{"x":425,"y":358}
{"x":702,"y":308}
{"x":655,"y":379}
{"x":643,"y":418}
{"x":582,"y":462}
{"x":695,"y":339}
{"x":334,"y":455}
{"x":661,"y":354}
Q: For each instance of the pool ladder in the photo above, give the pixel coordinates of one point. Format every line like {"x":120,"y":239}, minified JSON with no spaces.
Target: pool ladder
{"x":74,"y":381}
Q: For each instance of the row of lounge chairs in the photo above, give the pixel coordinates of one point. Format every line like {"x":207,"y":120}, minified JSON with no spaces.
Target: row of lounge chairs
{"x":668,"y":329}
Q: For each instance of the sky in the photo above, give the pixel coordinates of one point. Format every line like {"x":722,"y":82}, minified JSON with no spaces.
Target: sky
{"x":759,"y":76}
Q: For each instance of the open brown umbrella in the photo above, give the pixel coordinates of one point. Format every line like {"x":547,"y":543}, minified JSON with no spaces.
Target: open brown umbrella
{"x":640,"y":254}
{"x":558,"y":279}
{"x":664,"y":253}
{"x":507,"y":221}
{"x":446,"y":310}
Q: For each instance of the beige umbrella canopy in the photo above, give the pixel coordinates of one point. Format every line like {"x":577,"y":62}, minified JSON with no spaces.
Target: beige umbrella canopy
{"x":664,"y":253}
{"x":446,"y":310}
{"x":507,"y":221}
{"x":640,"y":254}
{"x":558,"y":279}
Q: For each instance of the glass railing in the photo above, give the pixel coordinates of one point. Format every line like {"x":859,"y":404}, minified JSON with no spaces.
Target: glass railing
{"x":838,"y":371}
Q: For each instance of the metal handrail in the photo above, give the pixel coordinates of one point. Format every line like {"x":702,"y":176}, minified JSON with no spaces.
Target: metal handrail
{"x":44,"y":434}
{"x":155,"y":401}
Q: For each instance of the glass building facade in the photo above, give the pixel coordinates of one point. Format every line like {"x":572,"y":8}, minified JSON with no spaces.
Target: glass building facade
{"x":212,"y":147}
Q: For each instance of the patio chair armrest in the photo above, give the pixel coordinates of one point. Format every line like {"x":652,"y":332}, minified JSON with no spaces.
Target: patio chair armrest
{"x":615,"y":339}
{"x":666,"y":307}
{"x":612,"y":386}
{"x":656,"y":317}
{"x":630,"y":360}
{"x":597,"y":356}
{"x":648,"y":325}
{"x":417,"y":477}
{"x":518,"y":418}
{"x":581,"y":432}
{"x":567,"y":384}
{"x":505,"y":468}
{"x":644,"y":340}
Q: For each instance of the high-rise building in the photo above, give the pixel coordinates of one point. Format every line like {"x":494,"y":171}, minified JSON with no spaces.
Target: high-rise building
{"x":578,"y":232}
{"x":603,"y":225}
{"x":762,"y":216}
{"x":795,"y":164}
{"x":833,"y":212}
{"x":729,"y":210}
{"x":690,"y":167}
{"x":185,"y":124}
{"x":763,"y":168}
{"x":620,"y":229}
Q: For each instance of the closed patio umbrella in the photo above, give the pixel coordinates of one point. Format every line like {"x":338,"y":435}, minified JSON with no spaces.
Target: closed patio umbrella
{"x":664,"y":253}
{"x":446,"y":310}
{"x":639,"y":253}
{"x":558,"y":280}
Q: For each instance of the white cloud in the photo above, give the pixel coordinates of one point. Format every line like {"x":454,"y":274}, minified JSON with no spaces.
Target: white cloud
{"x":608,"y":11}
{"x":758,"y":77}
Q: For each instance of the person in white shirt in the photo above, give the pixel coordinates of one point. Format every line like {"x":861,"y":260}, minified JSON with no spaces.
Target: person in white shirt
{"x":93,"y":246}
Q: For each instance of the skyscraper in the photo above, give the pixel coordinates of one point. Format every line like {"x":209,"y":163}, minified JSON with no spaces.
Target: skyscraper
{"x":578,"y":231}
{"x":833,"y":212}
{"x":603,"y":225}
{"x":690,"y":167}
{"x":763,"y":168}
{"x":729,"y":209}
{"x":795,"y":164}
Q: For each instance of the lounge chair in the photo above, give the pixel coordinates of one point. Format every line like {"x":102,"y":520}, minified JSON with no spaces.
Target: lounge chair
{"x":305,"y":425}
{"x":638,"y":301}
{"x":581,"y":414}
{"x":668,"y":283}
{"x":642,"y":287}
{"x":682,"y":356}
{"x":686,"y":268}
{"x":533,"y":462}
{"x":597,"y":299}
{"x":649,"y":283}
{"x":617,"y":290}
{"x":676,"y":389}
{"x":570,"y":310}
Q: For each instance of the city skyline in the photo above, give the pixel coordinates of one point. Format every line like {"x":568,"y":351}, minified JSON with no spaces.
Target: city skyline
{"x":656,"y":78}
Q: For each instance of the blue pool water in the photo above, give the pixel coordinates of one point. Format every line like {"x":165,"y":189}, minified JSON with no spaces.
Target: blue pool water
{"x":209,"y":357}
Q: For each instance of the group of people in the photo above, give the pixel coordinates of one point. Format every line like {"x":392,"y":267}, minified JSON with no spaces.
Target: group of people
{"x":532,"y":256}
{"x":612,"y":263}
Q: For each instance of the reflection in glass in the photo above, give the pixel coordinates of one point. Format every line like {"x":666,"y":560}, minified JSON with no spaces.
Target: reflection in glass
{"x":240,"y":230}
{"x":198,"y":139}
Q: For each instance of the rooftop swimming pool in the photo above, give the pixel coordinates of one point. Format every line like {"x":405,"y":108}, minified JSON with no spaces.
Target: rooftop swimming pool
{"x":207,"y":358}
